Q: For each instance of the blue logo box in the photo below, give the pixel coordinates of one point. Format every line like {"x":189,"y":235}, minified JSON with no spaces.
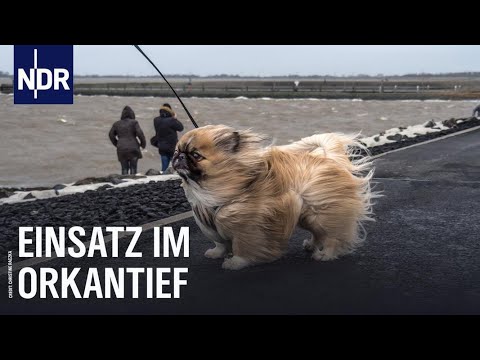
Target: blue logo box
{"x":43,"y":74}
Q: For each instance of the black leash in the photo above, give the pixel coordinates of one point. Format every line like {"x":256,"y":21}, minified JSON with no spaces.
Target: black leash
{"x":178,"y":97}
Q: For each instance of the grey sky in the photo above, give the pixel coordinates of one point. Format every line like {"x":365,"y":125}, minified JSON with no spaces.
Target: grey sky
{"x":268,"y":60}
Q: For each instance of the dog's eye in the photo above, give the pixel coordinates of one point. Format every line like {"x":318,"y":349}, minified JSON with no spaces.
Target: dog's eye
{"x":197,"y":156}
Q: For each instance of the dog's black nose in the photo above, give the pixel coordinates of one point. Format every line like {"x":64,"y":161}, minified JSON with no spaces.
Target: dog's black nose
{"x":179,"y":160}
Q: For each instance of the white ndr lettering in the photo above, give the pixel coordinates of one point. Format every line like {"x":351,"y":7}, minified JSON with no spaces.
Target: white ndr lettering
{"x":43,"y":79}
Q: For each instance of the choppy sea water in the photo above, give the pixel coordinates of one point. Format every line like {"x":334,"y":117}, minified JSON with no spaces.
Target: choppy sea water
{"x":42,"y":145}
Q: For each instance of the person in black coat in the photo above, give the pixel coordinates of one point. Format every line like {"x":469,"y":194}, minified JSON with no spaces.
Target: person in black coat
{"x":166,"y":137}
{"x":124,"y":134}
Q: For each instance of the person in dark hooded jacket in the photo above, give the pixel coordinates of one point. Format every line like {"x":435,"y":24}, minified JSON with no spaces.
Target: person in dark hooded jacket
{"x":123,"y":135}
{"x":166,"y":138}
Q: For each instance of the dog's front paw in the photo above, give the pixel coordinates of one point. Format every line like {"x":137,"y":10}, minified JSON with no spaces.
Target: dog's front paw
{"x":216,"y":253}
{"x":308,"y":245}
{"x":322,"y":255}
{"x":235,"y":263}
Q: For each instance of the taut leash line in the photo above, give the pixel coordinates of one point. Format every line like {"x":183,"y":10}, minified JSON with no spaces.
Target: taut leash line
{"x":178,"y":97}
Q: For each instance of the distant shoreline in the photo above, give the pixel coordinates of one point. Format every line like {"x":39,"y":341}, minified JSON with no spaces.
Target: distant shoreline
{"x":401,"y":88}
{"x":292,"y":95}
{"x":457,"y":76}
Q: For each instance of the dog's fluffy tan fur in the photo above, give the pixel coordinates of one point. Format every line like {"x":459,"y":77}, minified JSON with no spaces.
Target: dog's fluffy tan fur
{"x":248,"y":198}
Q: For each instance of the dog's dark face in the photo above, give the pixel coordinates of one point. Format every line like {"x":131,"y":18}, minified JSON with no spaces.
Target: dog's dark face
{"x":200,"y":152}
{"x":186,"y":161}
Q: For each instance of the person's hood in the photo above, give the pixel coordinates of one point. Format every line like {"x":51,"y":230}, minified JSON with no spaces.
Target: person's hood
{"x":127,"y":113}
{"x":166,"y":110}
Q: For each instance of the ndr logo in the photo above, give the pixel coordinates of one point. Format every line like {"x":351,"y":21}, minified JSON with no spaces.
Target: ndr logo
{"x":43,"y":74}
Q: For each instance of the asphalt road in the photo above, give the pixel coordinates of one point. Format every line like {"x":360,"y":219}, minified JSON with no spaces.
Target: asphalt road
{"x":420,"y":257}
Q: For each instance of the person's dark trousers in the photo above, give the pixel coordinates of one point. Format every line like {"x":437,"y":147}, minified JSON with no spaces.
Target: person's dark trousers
{"x":133,"y":166}
{"x":165,"y":161}
{"x":129,"y":165}
{"x":125,"y":166}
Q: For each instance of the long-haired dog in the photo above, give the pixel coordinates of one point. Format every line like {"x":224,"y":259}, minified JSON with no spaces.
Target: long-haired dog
{"x":248,"y":198}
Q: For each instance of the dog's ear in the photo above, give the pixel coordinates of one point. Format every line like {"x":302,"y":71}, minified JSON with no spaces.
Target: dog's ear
{"x":229,"y":141}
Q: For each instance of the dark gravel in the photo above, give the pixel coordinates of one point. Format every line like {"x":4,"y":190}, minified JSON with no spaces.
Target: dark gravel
{"x":129,"y":206}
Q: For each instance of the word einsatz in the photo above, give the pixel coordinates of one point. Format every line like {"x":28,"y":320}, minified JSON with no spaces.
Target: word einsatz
{"x":108,"y":280}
